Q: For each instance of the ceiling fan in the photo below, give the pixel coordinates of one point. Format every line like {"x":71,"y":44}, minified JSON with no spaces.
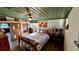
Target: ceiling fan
{"x":29,"y":14}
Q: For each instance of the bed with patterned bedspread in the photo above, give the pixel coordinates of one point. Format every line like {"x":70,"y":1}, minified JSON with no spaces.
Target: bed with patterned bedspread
{"x":35,"y":41}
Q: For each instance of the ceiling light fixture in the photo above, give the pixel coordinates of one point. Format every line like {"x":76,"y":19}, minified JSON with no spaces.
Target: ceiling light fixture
{"x":30,"y":18}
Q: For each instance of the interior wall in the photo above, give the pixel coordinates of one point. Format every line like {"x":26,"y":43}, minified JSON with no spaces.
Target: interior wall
{"x":73,"y":32}
{"x":56,"y":23}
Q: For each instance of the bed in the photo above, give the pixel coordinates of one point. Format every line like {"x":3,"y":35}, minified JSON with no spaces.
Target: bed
{"x":35,"y":41}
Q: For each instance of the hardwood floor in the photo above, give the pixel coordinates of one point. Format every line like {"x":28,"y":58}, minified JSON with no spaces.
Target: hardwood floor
{"x":53,"y":46}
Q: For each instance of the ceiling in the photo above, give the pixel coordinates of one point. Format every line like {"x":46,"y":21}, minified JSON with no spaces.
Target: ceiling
{"x":37,"y":13}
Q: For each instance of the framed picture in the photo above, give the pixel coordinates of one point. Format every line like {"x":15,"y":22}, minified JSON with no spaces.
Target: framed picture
{"x":43,"y":24}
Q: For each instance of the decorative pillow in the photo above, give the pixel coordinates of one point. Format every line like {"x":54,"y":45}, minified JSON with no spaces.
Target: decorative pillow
{"x":43,"y":31}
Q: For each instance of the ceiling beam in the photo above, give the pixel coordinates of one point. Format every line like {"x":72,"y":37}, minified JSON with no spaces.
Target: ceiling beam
{"x":52,"y":18}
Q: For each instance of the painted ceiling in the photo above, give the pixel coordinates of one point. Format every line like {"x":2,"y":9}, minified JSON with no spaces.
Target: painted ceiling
{"x":37,"y":13}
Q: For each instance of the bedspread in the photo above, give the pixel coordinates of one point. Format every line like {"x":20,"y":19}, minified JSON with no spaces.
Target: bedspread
{"x":39,"y":38}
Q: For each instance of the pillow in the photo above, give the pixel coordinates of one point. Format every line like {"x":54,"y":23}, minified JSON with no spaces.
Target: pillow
{"x":43,"y":31}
